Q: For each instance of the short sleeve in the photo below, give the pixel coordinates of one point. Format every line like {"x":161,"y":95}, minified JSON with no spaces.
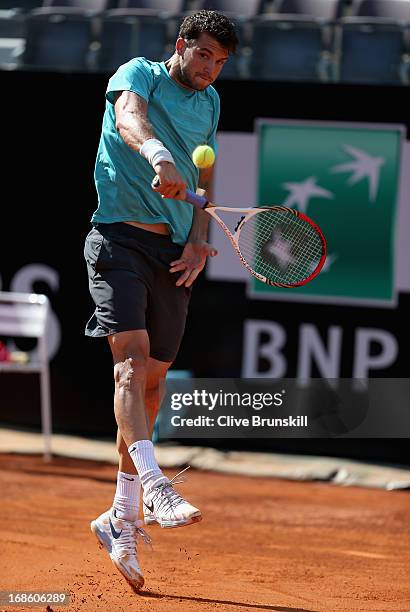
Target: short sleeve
{"x":212,"y":135}
{"x":135,"y":76}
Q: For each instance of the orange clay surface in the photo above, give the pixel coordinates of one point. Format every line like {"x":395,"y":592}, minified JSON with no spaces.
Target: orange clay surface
{"x":263,"y":544}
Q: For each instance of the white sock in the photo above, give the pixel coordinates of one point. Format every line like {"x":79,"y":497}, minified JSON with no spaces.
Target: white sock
{"x":142,"y":454}
{"x":127,"y":496}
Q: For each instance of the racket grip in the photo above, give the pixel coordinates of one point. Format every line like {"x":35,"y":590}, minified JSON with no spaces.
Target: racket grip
{"x":195,"y":199}
{"x":191,"y":197}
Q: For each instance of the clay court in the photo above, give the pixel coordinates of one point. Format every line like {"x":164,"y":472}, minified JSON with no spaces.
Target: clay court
{"x":264,"y":544}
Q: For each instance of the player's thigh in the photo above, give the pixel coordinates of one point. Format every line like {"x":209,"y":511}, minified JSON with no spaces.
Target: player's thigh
{"x":119,"y":277}
{"x":167,"y":312}
{"x":132,"y":344}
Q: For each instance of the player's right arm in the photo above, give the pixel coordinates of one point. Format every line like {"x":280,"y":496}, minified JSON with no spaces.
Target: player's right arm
{"x":131,"y":122}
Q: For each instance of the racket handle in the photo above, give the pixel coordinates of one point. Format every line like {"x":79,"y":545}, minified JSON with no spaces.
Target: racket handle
{"x":191,"y":197}
{"x":195,"y":199}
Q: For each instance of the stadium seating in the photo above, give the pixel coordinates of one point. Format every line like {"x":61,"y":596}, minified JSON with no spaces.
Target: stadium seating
{"x":24,"y":5}
{"x":12,"y":38}
{"x":371,"y":43}
{"x":295,"y":42}
{"x":236,"y":66}
{"x":58,"y":40}
{"x":328,"y":10}
{"x":91,"y":5}
{"x":355,"y":41}
{"x":126,"y":34}
{"x":287,"y":50}
{"x":239,"y":8}
{"x":11,"y":23}
{"x":168,"y":6}
{"x":385,"y":9}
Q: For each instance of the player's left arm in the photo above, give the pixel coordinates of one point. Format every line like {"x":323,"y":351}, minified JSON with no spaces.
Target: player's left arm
{"x":200,"y":223}
{"x":197,"y":248}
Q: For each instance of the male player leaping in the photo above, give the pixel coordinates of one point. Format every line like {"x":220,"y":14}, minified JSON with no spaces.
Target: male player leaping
{"x":156,"y":114}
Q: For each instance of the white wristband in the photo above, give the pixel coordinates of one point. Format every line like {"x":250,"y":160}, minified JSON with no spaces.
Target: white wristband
{"x":154,"y":152}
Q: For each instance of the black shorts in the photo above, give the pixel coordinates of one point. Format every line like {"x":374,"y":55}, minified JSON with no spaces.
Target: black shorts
{"x":132,"y":287}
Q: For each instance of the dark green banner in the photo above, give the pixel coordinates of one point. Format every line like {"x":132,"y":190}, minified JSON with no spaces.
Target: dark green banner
{"x":346,"y":179}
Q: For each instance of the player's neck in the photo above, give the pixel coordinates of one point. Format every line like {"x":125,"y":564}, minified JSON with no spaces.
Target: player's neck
{"x":172,"y":65}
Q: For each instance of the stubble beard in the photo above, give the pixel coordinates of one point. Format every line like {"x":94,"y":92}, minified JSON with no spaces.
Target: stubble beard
{"x":185,"y":79}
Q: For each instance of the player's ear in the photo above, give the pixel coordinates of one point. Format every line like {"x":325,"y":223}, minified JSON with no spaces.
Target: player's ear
{"x":180,"y":46}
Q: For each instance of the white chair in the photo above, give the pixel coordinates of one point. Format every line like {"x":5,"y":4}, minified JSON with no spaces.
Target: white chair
{"x":25,"y":315}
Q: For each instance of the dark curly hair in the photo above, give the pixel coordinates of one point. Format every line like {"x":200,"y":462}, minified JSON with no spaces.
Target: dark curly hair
{"x":213,"y":23}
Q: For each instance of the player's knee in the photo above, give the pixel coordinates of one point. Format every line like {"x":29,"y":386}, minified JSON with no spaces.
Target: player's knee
{"x":130,"y":370}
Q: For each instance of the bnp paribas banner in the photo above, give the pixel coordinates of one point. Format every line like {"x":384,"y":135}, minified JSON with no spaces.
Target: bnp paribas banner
{"x":345,"y":177}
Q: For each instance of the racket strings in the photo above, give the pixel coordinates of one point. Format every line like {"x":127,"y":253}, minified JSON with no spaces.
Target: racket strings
{"x":281,"y":246}
{"x":278,"y":256}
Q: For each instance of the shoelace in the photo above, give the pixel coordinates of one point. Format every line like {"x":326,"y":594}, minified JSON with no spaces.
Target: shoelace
{"x":131,"y":532}
{"x":166,"y":494}
{"x":141,"y":533}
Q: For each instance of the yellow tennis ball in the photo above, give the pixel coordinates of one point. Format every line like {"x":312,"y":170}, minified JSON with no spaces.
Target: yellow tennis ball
{"x":203,"y":156}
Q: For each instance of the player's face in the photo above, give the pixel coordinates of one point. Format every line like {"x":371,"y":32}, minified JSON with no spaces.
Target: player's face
{"x":201,"y":61}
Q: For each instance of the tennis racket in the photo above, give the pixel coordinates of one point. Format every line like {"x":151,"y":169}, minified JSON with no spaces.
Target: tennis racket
{"x":278,"y":245}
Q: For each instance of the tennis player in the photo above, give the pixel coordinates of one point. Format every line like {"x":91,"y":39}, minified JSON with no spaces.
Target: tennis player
{"x":143,"y":253}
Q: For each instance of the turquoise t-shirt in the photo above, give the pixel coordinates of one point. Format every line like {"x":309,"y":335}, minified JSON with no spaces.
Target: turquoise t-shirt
{"x":182,"y":119}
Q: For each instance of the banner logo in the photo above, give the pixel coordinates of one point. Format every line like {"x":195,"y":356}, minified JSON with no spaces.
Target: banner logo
{"x":346,"y":179}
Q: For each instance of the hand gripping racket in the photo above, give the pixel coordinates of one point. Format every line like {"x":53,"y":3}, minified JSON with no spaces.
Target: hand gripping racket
{"x":278,"y":245}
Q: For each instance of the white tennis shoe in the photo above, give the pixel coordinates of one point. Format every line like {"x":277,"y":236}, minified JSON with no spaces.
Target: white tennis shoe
{"x":163,"y":505}
{"x":119,"y":538}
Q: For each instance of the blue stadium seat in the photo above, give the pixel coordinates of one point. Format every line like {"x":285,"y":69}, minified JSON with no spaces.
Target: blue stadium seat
{"x":58,"y":40}
{"x":236,"y":66}
{"x":371,"y":54}
{"x":12,"y":38}
{"x":327,"y":10}
{"x":232,"y":69}
{"x":371,"y":44}
{"x":24,"y":5}
{"x":128,"y":33}
{"x":242,"y":8}
{"x":291,"y":48}
{"x":166,"y":6}
{"x":88,"y":5}
{"x":383,"y":9}
{"x":11,"y":24}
